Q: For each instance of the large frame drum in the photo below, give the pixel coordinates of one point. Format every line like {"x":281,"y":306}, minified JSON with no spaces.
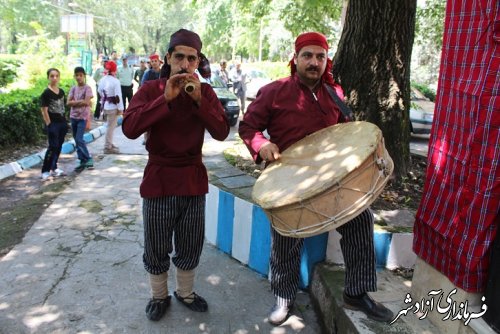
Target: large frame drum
{"x":324,"y":180}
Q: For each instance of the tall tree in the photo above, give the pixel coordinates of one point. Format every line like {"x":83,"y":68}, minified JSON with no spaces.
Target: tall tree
{"x":372,"y":64}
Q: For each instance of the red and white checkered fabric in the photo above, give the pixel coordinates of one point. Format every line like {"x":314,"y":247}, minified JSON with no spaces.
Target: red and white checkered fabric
{"x":459,"y":214}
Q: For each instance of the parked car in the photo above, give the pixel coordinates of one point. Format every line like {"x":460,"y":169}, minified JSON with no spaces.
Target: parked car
{"x":255,"y":80}
{"x":227,"y":98}
{"x":421,"y":113}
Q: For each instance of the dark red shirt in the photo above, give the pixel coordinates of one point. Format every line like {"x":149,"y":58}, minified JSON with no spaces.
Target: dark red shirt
{"x":289,"y":111}
{"x":175,"y":138}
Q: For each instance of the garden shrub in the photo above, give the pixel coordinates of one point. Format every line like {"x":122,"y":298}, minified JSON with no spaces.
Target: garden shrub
{"x":426,"y":90}
{"x":8,"y":70}
{"x":21,"y":121}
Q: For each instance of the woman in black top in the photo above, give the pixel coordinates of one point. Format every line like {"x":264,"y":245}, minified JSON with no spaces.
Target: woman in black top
{"x":52,"y":101}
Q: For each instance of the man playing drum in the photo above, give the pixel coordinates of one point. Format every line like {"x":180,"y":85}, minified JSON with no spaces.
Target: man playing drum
{"x":290,"y":109}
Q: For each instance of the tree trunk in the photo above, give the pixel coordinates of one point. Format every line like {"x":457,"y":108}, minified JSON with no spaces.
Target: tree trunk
{"x":373,"y":66}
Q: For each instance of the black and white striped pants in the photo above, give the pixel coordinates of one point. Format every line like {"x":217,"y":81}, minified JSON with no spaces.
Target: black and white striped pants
{"x":179,"y":217}
{"x":357,"y":248}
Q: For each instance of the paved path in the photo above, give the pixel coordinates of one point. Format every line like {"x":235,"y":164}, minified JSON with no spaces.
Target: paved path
{"x":79,"y":269}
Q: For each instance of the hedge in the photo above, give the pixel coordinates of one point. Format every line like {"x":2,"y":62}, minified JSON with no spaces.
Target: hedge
{"x":21,"y":121}
{"x":8,"y":70}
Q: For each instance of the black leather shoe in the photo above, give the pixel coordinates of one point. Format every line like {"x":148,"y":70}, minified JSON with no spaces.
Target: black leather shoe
{"x":364,"y":303}
{"x":156,"y":308}
{"x":193,"y":302}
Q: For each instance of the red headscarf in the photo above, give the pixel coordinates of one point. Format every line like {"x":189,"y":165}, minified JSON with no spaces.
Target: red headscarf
{"x":110,"y":66}
{"x":313,"y":38}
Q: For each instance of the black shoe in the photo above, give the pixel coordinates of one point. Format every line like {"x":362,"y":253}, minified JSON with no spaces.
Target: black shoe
{"x":156,"y":308}
{"x":364,"y":303}
{"x":278,"y":315}
{"x":196,"y":303}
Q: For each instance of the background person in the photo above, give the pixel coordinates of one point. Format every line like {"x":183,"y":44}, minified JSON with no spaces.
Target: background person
{"x":52,"y":108}
{"x":290,"y":109}
{"x":222,"y":72}
{"x":239,"y":77}
{"x":126,"y":76}
{"x":97,"y":76}
{"x":154,"y":72}
{"x":112,"y":106}
{"x":175,"y":180}
{"x":79,"y":99}
{"x":139,"y":73}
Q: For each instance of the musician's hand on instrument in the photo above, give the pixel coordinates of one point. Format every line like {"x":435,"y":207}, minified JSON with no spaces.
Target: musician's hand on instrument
{"x":269,"y":152}
{"x":178,"y":82}
{"x":192,"y":87}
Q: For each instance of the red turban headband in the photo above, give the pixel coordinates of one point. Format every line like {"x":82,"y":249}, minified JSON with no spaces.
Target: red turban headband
{"x":310,"y":38}
{"x":186,"y":38}
{"x":313,"y":38}
{"x":110,"y":66}
{"x":154,"y":56}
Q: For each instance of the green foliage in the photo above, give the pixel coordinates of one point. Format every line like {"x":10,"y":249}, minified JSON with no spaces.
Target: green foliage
{"x":40,"y":53}
{"x":310,"y":15}
{"x":426,"y":90}
{"x":8,"y":70}
{"x":430,"y":23}
{"x":21,"y":121}
{"x":274,"y":70}
{"x":429,"y":27}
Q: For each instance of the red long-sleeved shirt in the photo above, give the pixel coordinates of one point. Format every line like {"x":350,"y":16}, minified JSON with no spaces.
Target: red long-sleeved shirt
{"x":289,"y":111}
{"x":175,"y":137}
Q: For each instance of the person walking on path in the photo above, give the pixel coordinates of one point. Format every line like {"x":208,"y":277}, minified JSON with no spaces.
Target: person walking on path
{"x":79,"y":99}
{"x":290,"y":109}
{"x":112,"y":105}
{"x":52,"y":108}
{"x":222,"y":72}
{"x":175,"y":180}
{"x":126,"y":76}
{"x":97,"y":76}
{"x":239,"y":77}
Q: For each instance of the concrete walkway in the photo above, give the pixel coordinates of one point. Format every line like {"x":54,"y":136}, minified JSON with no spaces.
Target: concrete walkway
{"x":79,"y":269}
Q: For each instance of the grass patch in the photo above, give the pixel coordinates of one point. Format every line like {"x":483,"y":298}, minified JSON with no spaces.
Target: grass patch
{"x":230,"y":155}
{"x":15,"y":221}
{"x":91,"y":206}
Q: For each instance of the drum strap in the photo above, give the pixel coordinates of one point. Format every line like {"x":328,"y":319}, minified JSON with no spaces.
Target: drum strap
{"x":346,"y":111}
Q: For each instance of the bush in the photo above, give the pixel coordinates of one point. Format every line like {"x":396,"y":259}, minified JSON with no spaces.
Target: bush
{"x":21,"y":121}
{"x":426,"y":90}
{"x":8,"y":70}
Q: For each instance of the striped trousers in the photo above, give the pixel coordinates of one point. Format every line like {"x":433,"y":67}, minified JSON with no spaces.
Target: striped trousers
{"x":179,"y":217}
{"x":357,"y":249}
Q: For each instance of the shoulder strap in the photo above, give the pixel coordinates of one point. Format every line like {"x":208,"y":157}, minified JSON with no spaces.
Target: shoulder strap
{"x":346,"y":111}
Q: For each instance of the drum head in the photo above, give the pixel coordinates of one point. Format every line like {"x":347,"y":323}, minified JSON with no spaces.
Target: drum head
{"x":316,"y":163}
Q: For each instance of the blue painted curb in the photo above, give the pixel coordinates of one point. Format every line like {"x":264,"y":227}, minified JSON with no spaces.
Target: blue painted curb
{"x":29,"y":161}
{"x":88,"y":138}
{"x":242,"y":230}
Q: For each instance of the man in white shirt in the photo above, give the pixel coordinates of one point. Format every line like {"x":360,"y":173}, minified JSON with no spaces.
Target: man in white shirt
{"x":112,"y":105}
{"x":126,"y":76}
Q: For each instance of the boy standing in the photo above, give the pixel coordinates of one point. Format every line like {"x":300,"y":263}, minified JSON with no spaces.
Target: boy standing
{"x":79,"y":101}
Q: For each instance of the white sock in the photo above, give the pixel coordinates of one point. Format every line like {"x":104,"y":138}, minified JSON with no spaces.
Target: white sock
{"x":159,"y":288}
{"x":185,"y":282}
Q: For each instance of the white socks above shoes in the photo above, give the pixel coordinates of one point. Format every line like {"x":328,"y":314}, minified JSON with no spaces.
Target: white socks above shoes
{"x":158,"y":284}
{"x":185,"y":281}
